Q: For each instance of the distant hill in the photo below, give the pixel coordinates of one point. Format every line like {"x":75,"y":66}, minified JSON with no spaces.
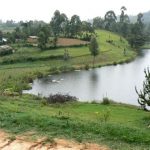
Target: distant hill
{"x":146,"y":17}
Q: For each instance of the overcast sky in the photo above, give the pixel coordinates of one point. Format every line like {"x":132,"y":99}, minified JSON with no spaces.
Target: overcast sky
{"x":86,"y":9}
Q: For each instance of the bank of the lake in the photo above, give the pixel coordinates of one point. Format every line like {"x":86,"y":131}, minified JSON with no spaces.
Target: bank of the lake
{"x":116,"y":125}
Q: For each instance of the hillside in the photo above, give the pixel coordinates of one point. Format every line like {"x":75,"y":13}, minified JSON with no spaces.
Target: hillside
{"x":31,"y":62}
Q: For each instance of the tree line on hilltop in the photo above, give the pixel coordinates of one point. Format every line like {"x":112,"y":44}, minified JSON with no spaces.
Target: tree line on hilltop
{"x":61,"y":26}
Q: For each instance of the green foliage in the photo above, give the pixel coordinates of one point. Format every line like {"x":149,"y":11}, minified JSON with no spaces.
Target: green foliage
{"x":66,"y":54}
{"x":60,"y":98}
{"x":94,"y":48}
{"x":144,"y":94}
{"x":110,"y":19}
{"x":79,"y":121}
{"x":39,"y":74}
{"x":103,"y":116}
{"x":75,"y":25}
{"x":66,"y":68}
{"x":57,"y":22}
{"x":98,"y":23}
{"x":106,"y":101}
{"x":4,"y":52}
{"x":87,"y":67}
{"x":43,"y":39}
{"x":62,"y":26}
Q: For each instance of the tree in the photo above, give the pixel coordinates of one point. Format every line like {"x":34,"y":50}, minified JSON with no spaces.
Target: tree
{"x":1,"y":36}
{"x":124,"y":22}
{"x":87,"y":27}
{"x":94,"y":48}
{"x":43,"y":36}
{"x":98,"y":23}
{"x":122,"y":16}
{"x":140,"y":23}
{"x":110,"y":19}
{"x":42,"y":40}
{"x":58,"y":23}
{"x":63,"y":24}
{"x":137,"y":37}
{"x":144,"y":94}
{"x":55,"y":23}
{"x":75,"y":25}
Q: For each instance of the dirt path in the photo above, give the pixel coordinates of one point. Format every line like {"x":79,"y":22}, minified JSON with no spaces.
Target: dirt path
{"x":19,"y":143}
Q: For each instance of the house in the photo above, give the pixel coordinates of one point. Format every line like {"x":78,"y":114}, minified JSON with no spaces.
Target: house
{"x":32,"y":39}
{"x":3,"y":41}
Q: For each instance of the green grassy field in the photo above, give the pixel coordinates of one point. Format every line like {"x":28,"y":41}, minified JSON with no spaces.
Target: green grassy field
{"x":109,"y":53}
{"x":119,"y":126}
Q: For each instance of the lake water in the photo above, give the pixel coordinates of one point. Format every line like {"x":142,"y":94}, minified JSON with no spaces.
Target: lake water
{"x":116,"y":82}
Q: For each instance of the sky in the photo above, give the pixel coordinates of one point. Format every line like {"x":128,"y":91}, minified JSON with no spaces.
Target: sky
{"x":87,"y":9}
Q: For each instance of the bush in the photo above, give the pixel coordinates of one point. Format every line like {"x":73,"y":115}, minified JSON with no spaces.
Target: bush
{"x":39,"y":74}
{"x":5,"y":52}
{"x":66,"y":68}
{"x":114,"y":63}
{"x":106,"y":101}
{"x":60,"y":98}
{"x":109,"y":41}
{"x":54,"y":70}
{"x":87,"y":67}
{"x":10,"y":92}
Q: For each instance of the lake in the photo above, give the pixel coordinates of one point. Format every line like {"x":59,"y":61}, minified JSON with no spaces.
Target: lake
{"x":115,"y":82}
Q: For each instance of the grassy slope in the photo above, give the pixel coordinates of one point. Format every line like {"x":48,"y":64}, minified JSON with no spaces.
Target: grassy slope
{"x":80,"y":55}
{"x":125,"y":128}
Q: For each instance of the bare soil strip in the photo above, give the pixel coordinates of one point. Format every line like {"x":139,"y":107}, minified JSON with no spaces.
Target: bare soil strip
{"x":19,"y":143}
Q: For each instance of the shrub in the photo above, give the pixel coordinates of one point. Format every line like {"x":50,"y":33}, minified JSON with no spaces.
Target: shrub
{"x":10,"y":92}
{"x":106,"y":101}
{"x":60,"y":98}
{"x":144,"y":94}
{"x":5,"y":52}
{"x":114,"y":63}
{"x":121,"y":62}
{"x":87,"y":67}
{"x":103,"y":116}
{"x":66,"y":68}
{"x":39,"y":74}
{"x":109,"y":41}
{"x":54,"y":70}
{"x":44,"y":102}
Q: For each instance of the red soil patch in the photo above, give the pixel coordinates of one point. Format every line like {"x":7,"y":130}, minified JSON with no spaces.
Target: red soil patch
{"x":70,"y":42}
{"x":19,"y":143}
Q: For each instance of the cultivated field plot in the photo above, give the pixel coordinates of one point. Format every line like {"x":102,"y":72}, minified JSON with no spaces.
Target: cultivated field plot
{"x":70,"y":42}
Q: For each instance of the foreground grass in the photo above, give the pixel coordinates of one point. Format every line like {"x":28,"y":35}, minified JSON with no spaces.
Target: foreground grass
{"x":118,"y":126}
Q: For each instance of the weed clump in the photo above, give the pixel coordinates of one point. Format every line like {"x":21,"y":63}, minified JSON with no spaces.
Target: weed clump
{"x":60,"y":98}
{"x":87,"y":67}
{"x":106,"y":101}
